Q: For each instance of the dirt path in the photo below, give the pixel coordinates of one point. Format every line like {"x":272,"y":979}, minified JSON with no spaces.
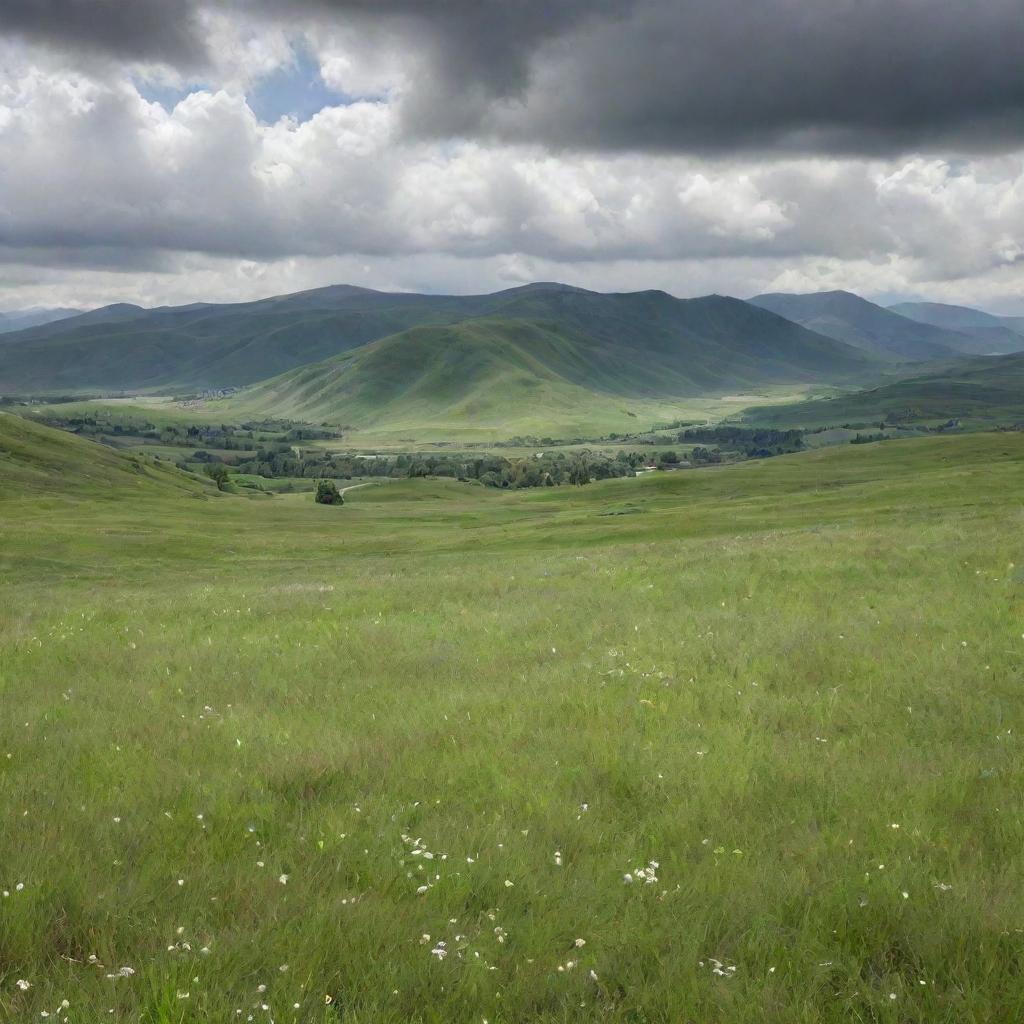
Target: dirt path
{"x":351,"y":487}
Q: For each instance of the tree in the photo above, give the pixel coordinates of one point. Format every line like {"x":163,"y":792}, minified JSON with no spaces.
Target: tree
{"x":218,"y":473}
{"x":579,"y":471}
{"x":327,"y":493}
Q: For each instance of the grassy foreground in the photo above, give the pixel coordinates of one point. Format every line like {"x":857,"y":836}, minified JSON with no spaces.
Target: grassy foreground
{"x":394,"y":762}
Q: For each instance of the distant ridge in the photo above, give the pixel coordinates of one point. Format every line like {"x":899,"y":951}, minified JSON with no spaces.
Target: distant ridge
{"x":204,"y":345}
{"x":993,"y":335}
{"x":847,"y":317}
{"x":20,"y":319}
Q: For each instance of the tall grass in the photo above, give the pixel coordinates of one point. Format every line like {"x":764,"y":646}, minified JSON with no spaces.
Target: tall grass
{"x":746,"y":753}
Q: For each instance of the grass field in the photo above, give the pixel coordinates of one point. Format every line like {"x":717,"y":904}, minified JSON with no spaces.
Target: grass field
{"x":738,"y":744}
{"x":415,"y":435}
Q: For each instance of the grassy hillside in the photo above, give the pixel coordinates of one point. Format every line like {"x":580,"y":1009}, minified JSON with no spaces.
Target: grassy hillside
{"x":202,"y":345}
{"x":984,"y":391}
{"x":549,"y":377}
{"x":37,"y":458}
{"x":851,"y":319}
{"x":393,"y":762}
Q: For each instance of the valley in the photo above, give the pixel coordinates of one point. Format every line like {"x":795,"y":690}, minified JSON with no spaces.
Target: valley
{"x":678,"y":638}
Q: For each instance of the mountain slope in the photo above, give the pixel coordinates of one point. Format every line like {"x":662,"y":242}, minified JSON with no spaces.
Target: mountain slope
{"x":530,"y":375}
{"x":984,"y":390}
{"x":41,"y":462}
{"x":202,"y":345}
{"x":993,"y":335}
{"x":847,"y":317}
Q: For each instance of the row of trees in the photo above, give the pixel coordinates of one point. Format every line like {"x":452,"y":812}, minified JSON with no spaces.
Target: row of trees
{"x":540,"y":470}
{"x":225,"y":436}
{"x":752,"y":442}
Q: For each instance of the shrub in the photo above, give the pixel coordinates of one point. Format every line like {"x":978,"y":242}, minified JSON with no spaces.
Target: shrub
{"x":327,"y":493}
{"x":218,"y":473}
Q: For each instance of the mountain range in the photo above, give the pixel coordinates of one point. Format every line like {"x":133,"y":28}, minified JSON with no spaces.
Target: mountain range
{"x":515,"y":359}
{"x":124,"y":348}
{"x":995,"y":335}
{"x":847,"y":317}
{"x":527,"y":375}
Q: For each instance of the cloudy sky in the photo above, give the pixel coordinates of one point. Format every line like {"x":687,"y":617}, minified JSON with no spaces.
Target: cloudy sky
{"x":166,"y":151}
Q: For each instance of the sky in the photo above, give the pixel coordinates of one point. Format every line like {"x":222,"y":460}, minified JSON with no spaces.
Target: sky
{"x":170,"y":151}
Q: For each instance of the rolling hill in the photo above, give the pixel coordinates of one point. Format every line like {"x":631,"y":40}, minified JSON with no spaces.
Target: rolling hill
{"x":847,"y":317}
{"x":993,"y":335}
{"x":547,"y":376}
{"x":982,"y":391}
{"x":40,"y":461}
{"x":126,"y":348}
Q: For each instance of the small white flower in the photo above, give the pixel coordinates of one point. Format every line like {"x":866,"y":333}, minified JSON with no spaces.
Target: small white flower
{"x":508,"y":884}
{"x":23,"y":984}
{"x":283,"y":879}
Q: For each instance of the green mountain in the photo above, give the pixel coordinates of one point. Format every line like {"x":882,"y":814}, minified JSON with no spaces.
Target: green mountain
{"x":983,"y":391}
{"x":522,"y":375}
{"x":125,"y":348}
{"x":993,"y":335}
{"x":847,"y":317}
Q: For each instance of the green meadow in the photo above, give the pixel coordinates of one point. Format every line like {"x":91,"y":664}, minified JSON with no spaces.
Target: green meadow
{"x":736,"y":744}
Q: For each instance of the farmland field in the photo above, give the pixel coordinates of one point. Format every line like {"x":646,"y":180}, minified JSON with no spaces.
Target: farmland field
{"x":738,"y":744}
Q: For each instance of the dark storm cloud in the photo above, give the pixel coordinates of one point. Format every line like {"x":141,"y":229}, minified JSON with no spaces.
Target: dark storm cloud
{"x":830,"y":76}
{"x":827,"y":76}
{"x":707,"y":75}
{"x":157,"y":30}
